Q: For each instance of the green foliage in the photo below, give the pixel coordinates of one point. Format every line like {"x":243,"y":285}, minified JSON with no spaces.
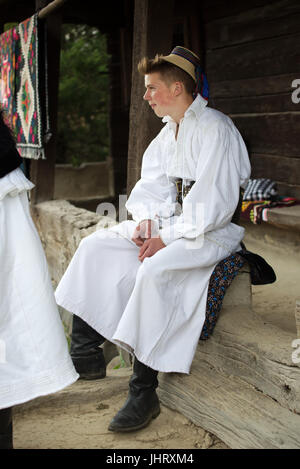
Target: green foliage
{"x":8,"y":26}
{"x":83,"y":96}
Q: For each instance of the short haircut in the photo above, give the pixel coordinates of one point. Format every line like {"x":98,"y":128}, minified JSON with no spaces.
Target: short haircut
{"x":168,"y":72}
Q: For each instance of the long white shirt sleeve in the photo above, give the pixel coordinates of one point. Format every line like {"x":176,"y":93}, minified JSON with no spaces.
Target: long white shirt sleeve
{"x":153,"y":196}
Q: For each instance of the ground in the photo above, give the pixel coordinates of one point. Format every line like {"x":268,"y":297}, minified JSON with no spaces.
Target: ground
{"x":78,"y":416}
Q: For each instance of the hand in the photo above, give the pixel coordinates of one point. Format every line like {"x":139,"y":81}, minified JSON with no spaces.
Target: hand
{"x":150,"y":247}
{"x":145,"y":230}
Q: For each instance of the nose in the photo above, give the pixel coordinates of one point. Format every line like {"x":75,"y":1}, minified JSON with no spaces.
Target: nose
{"x":146,"y":96}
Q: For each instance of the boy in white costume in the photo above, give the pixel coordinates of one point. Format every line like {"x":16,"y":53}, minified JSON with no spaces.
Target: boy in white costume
{"x":34,"y":356}
{"x":143,"y":283}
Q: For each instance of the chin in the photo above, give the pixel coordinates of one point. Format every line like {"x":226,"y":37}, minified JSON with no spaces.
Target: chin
{"x":159,"y":113}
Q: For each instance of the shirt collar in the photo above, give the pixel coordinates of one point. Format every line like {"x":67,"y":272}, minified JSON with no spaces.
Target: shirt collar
{"x":196,"y":108}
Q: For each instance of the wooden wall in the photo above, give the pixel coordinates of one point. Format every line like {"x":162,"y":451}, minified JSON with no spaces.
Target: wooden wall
{"x":252,"y":57}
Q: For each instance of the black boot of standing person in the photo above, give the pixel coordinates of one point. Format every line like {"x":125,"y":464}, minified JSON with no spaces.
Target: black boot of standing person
{"x":142,"y":404}
{"x":6,"y":429}
{"x":86,"y":354}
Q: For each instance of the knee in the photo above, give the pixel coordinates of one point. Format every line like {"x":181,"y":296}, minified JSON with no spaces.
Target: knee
{"x":88,"y":245}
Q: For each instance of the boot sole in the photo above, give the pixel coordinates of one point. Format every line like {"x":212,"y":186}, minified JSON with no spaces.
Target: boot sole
{"x":155,"y":414}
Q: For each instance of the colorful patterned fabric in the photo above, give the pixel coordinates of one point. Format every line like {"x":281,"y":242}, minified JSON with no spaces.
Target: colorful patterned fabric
{"x":260,"y":189}
{"x":253,"y":210}
{"x":19,"y":66}
{"x":220,"y":280}
{"x":7,"y":73}
{"x":258,"y":210}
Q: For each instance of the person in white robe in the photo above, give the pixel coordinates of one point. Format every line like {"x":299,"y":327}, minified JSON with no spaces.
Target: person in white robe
{"x":143,"y":283}
{"x":34,"y":355}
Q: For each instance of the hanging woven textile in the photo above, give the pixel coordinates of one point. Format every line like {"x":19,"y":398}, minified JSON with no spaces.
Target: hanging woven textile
{"x":22,"y":77}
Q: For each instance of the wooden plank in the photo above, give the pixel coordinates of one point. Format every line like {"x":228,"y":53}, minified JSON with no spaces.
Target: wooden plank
{"x":255,"y":104}
{"x":277,"y":19}
{"x":246,"y":346}
{"x":230,"y":409}
{"x":42,"y":172}
{"x":285,"y":217}
{"x":260,"y":58}
{"x":274,"y":134}
{"x":243,"y":385}
{"x":278,"y":168}
{"x":289,"y":190}
{"x":259,"y":86}
{"x":218,"y":9}
{"x":153,"y":31}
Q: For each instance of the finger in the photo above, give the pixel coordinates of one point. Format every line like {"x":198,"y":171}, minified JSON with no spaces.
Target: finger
{"x":147,"y":253}
{"x":143,"y":248}
{"x":138,"y":241}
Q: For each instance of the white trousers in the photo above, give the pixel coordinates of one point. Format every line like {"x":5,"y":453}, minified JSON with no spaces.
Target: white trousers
{"x":155,"y":309}
{"x":34,"y":357}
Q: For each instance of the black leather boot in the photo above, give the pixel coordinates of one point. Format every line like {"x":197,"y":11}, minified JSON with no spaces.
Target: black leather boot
{"x":142,"y":404}
{"x":87,"y":356}
{"x":6,"y":429}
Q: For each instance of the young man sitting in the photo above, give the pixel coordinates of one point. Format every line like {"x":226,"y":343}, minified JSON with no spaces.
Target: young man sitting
{"x":143,"y":283}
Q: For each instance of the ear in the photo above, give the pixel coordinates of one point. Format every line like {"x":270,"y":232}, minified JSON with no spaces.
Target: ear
{"x":178,"y":88}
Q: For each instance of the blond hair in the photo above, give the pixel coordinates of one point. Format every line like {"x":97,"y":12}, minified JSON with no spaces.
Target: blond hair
{"x":169,"y":72}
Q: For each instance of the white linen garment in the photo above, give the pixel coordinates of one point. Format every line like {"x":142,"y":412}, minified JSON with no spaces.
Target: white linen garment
{"x":34,"y":357}
{"x":156,"y":309}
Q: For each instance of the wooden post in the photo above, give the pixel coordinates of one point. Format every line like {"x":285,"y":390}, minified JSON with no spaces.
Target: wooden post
{"x":42,"y":172}
{"x":153,"y":32}
{"x":118,"y":114}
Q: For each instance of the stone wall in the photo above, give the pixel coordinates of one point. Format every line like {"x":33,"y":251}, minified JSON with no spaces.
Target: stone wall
{"x":61,"y":227}
{"x":89,"y":180}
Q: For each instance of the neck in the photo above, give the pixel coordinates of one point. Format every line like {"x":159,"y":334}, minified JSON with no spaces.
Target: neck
{"x":181,"y":108}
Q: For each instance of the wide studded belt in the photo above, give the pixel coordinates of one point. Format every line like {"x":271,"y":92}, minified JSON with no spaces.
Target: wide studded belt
{"x":182,"y":192}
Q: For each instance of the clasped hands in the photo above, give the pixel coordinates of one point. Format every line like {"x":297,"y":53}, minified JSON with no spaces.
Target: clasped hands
{"x":146,"y":237}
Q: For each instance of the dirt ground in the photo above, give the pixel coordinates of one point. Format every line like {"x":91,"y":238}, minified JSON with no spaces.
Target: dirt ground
{"x":78,"y":416}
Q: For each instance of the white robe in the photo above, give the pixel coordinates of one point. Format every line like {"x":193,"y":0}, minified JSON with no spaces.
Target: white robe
{"x":156,"y":309}
{"x":34,"y":357}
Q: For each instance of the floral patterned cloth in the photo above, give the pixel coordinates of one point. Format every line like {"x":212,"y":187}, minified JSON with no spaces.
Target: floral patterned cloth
{"x":220,"y":280}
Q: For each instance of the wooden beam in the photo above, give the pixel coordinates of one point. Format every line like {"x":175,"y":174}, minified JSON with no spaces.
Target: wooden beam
{"x":51,"y":8}
{"x":42,"y":171}
{"x":264,"y":57}
{"x":153,"y":31}
{"x":272,"y":134}
{"x":275,"y":19}
{"x":243,"y":386}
